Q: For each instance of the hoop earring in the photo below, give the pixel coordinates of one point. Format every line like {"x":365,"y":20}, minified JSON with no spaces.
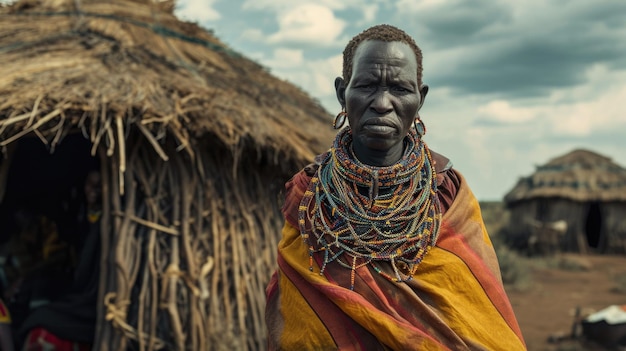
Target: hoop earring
{"x":340,"y":120}
{"x":420,"y":127}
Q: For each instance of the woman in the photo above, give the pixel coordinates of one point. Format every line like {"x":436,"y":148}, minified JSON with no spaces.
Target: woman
{"x":69,"y":323}
{"x":384,"y":246}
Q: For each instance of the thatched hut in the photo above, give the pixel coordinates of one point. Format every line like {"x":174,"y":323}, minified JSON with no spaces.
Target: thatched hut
{"x":583,"y":190}
{"x":194,"y":143}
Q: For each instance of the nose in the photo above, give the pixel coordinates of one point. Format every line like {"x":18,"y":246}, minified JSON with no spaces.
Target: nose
{"x":382,"y":102}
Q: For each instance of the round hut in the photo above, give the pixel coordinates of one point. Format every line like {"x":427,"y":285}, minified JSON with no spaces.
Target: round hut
{"x":575,"y":202}
{"x":194,"y":143}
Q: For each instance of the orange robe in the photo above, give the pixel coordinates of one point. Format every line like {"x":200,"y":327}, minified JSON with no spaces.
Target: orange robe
{"x":455,"y":301}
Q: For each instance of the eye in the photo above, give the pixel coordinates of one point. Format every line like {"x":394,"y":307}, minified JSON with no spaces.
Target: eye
{"x":401,"y":89}
{"x":366,"y":86}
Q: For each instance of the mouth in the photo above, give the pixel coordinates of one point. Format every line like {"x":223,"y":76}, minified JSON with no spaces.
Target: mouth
{"x":379,"y":126}
{"x":378,"y":129}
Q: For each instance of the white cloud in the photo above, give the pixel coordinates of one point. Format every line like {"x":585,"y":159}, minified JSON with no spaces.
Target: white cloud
{"x":316,"y":77}
{"x":604,"y":113}
{"x":308,"y":23}
{"x":369,"y":14}
{"x":197,"y":10}
{"x":502,"y":111}
{"x":286,"y":58}
{"x":281,"y":5}
{"x":416,"y":6}
{"x":266,"y":4}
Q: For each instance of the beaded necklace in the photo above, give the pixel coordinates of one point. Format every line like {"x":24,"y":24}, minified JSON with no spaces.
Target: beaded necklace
{"x":396,"y":221}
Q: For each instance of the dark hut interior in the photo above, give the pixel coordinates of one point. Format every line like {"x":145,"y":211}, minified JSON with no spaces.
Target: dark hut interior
{"x":41,"y":184}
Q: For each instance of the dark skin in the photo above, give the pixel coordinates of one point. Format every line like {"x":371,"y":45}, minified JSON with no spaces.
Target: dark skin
{"x":382,"y":100}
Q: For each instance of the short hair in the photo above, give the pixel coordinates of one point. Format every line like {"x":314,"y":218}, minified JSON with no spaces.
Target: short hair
{"x":382,"y":32}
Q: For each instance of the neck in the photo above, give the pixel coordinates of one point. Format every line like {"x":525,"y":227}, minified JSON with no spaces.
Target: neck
{"x":378,"y":158}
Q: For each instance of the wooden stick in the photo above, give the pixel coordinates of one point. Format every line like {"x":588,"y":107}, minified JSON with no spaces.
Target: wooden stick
{"x":121,"y":150}
{"x":40,"y":136}
{"x":95,"y":142}
{"x":153,"y":141}
{"x":33,"y":112}
{"x":59,"y":132}
{"x":173,"y":267}
{"x":149,"y":224}
{"x":187,"y":186}
{"x":14,"y":120}
{"x":103,"y":329}
{"x":41,"y":121}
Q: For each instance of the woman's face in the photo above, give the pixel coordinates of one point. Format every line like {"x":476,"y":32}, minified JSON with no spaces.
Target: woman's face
{"x":93,"y":188}
{"x":381,"y":100}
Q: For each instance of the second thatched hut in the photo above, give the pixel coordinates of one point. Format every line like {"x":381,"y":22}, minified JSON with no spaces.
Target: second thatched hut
{"x":579,"y":199}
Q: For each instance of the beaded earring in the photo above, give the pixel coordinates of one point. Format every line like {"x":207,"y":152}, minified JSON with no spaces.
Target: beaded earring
{"x":340,"y":120}
{"x":420,"y":127}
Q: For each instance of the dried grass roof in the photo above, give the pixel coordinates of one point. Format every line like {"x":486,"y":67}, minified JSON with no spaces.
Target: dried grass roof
{"x":580,"y":175}
{"x":90,"y":63}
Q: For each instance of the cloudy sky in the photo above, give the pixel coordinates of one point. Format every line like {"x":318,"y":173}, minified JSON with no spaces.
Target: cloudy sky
{"x":513,"y":83}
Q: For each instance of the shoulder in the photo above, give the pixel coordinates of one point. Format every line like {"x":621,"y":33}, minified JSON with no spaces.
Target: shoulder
{"x":442,"y":163}
{"x":448,"y":180}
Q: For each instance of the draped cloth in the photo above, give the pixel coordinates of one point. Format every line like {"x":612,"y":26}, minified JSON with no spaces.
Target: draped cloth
{"x":455,"y":300}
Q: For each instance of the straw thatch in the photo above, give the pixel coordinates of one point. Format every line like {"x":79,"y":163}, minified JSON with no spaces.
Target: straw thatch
{"x":580,"y":175}
{"x":583,"y":188}
{"x":195,"y":142}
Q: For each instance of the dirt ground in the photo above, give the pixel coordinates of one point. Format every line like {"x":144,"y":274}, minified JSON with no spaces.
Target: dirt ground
{"x":546,"y":307}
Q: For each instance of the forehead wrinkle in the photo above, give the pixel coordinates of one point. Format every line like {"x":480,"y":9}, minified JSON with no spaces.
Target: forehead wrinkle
{"x":392,"y":73}
{"x":392,"y":66}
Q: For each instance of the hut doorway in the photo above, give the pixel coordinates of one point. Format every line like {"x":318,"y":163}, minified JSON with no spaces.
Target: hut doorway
{"x":593,"y":227}
{"x":42,"y":192}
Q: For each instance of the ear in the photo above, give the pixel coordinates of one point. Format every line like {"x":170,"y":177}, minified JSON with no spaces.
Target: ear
{"x":340,"y":90}
{"x":423,"y":92}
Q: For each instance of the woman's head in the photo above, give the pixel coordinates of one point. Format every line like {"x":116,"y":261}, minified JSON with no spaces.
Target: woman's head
{"x":381,"y":93}
{"x":381,"y":32}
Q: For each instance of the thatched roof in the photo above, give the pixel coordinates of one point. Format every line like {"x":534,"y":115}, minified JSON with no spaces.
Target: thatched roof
{"x":580,"y":175}
{"x":99,"y":63}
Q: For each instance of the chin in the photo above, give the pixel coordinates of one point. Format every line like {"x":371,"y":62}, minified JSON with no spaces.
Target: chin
{"x":381,"y":144}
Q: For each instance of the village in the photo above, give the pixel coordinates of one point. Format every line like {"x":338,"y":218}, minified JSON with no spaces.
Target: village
{"x":191,"y":144}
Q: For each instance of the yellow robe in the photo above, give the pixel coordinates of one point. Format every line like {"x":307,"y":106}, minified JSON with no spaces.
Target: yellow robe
{"x":455,"y":301}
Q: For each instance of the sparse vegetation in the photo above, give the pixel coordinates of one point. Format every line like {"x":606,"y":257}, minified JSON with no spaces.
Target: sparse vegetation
{"x":572,"y":263}
{"x":495,"y":217}
{"x":515,"y":270}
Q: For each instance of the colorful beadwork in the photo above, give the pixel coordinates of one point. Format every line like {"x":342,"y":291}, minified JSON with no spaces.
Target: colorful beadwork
{"x":356,"y":214}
